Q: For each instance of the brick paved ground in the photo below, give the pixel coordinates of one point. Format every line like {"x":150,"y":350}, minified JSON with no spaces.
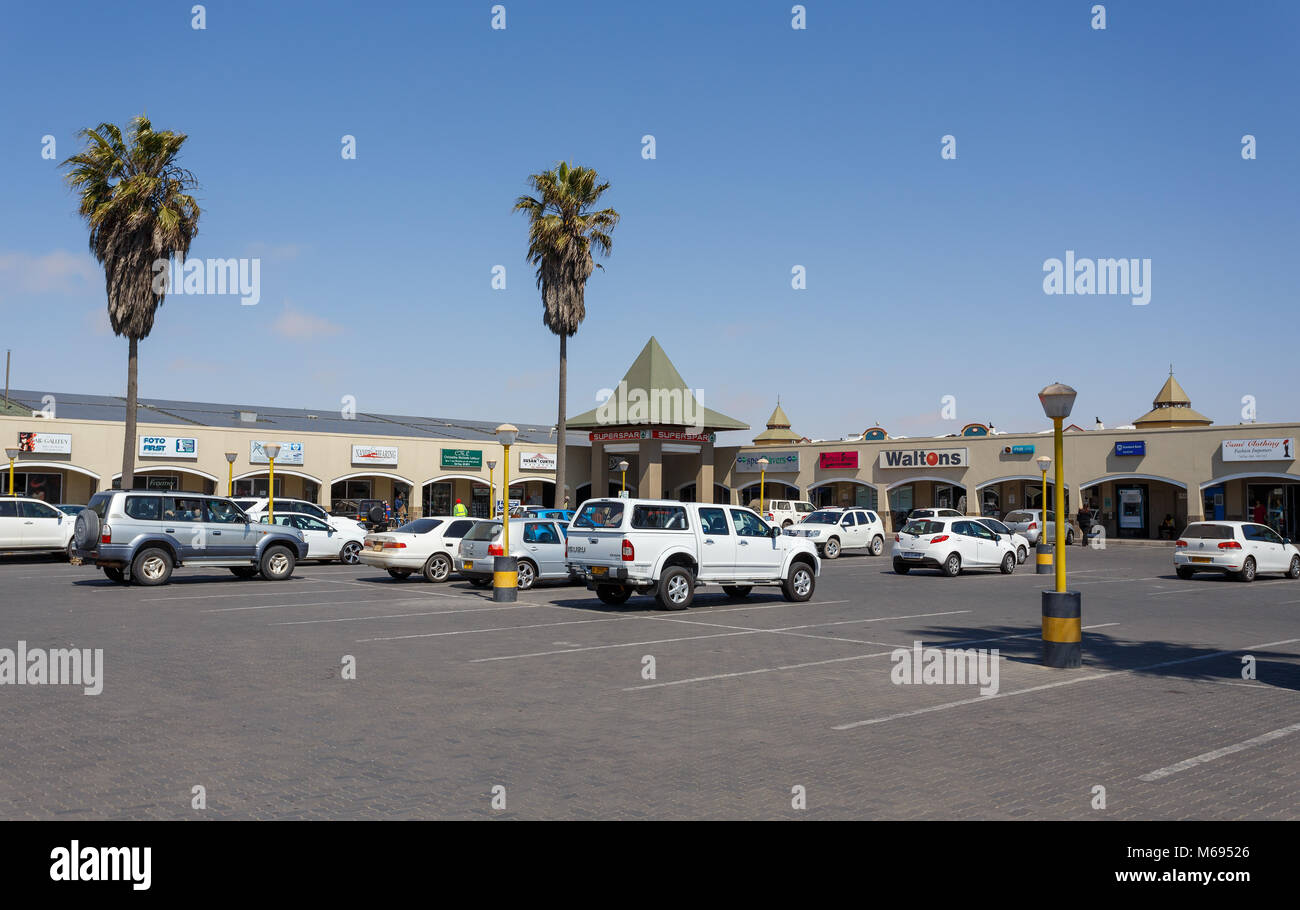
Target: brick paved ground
{"x":235,"y":686}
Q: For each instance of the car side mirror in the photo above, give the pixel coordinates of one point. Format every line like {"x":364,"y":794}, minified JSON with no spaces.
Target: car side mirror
{"x":775,"y":532}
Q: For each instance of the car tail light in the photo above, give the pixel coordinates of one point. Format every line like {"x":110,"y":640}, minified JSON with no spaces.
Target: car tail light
{"x":496,"y":549}
{"x":394,"y":545}
{"x":1180,"y":543}
{"x":940,"y":539}
{"x":629,"y":551}
{"x":1229,"y":545}
{"x":897,"y":539}
{"x":106,"y":534}
{"x":1033,"y":525}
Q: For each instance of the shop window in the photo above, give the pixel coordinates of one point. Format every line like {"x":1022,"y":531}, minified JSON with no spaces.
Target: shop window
{"x":46,"y":487}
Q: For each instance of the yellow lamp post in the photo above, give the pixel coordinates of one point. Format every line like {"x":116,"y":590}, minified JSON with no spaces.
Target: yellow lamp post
{"x":1062,"y":609}
{"x":230,"y":484}
{"x":12,"y":455}
{"x":623,"y":466}
{"x":505,"y":569}
{"x":271,"y":450}
{"x":492,"y":491}
{"x":762,"y":481}
{"x":1043,"y":550}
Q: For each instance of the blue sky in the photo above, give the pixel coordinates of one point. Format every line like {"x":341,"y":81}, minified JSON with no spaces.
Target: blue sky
{"x":775,"y":148}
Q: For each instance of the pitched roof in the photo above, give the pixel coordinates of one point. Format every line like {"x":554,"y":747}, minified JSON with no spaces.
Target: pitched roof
{"x":652,"y":372}
{"x":1171,"y":393}
{"x":778,"y":429}
{"x":1171,"y":407}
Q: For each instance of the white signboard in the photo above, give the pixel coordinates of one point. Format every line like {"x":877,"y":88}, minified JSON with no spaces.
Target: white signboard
{"x":169,"y":447}
{"x":45,"y":443}
{"x":924,"y":458}
{"x":1275,"y":449}
{"x":290,"y":452}
{"x":776,"y":461}
{"x":374,"y":454}
{"x":536,"y":461}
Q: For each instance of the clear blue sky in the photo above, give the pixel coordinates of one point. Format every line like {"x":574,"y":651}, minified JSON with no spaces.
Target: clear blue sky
{"x":775,"y":148}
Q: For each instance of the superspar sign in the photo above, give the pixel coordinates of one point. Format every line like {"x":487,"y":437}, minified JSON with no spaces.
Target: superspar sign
{"x":924,"y":458}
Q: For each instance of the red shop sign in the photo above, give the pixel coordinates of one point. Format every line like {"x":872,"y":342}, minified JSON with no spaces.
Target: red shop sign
{"x":838,"y":460}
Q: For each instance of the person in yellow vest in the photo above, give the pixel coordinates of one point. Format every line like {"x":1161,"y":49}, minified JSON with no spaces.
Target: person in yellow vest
{"x":460,"y":511}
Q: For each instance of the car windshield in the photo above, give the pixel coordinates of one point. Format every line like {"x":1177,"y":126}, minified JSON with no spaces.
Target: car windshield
{"x":1208,"y":532}
{"x":600,"y":515}
{"x":822,"y":518}
{"x":419,"y":526}
{"x":245,"y":504}
{"x":484,"y":530}
{"x":923,"y":527}
{"x":995,"y":525}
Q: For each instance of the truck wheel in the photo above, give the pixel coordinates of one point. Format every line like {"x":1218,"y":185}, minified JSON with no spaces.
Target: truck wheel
{"x":152,"y":567}
{"x":832,"y":548}
{"x":115,"y":574}
{"x":400,"y":574}
{"x":800,"y":583}
{"x":737,"y":590}
{"x":614,"y":595}
{"x":243,"y":571}
{"x":277,"y":563}
{"x":877,"y":545}
{"x":901,"y":567}
{"x":437,"y":568}
{"x":676,"y":589}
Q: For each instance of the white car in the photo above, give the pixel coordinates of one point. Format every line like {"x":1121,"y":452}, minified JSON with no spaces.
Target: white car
{"x":256,"y":507}
{"x":1018,"y":541}
{"x":537,"y":545}
{"x":784,"y":512}
{"x":1029,"y":524}
{"x":951,"y":545}
{"x":426,"y":545}
{"x":1240,"y":548}
{"x":30,"y":525}
{"x":833,"y":530}
{"x":323,"y":542}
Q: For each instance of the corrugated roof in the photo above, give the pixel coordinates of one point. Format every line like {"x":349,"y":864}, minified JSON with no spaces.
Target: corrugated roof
{"x":79,"y":406}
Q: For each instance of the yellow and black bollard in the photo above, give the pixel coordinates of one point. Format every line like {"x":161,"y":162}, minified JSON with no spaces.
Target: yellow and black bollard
{"x":1043,"y":553}
{"x":1062,"y":629}
{"x":505,"y":579}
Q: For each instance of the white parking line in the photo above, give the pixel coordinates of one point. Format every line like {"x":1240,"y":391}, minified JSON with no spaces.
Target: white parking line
{"x":1220,"y":753}
{"x":544,"y":625}
{"x":309,"y":622}
{"x":380,"y":586}
{"x":314,"y":592}
{"x":1056,"y":685}
{"x":319,"y":603}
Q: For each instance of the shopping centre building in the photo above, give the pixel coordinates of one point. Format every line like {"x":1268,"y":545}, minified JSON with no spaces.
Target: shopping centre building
{"x":1171,"y":461}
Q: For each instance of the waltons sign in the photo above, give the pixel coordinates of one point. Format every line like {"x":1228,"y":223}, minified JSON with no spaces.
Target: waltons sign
{"x":924,"y":458}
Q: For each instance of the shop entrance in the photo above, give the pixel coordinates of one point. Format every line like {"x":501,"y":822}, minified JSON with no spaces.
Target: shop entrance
{"x":1274,"y":504}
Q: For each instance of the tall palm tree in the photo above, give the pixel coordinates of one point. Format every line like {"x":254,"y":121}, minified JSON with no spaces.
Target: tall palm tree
{"x":135,"y":199}
{"x":564,"y":229}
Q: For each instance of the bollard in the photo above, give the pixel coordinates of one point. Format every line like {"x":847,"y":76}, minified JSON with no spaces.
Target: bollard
{"x":1062,"y":629}
{"x":505,"y":579}
{"x":1043,"y":553}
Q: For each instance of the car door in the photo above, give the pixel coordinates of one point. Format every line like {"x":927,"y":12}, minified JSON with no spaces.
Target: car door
{"x":323,"y":542}
{"x":41,"y":525}
{"x":968,"y":543}
{"x":11,"y":534}
{"x":451,"y":536}
{"x":874,"y":527}
{"x":757,"y":555}
{"x":1267,"y":547}
{"x":184,"y":525}
{"x":990,"y":546}
{"x":864,"y":529}
{"x":717,"y":545}
{"x":545,"y":546}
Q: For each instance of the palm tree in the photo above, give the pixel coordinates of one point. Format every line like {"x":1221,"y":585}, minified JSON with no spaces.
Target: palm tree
{"x":136,"y":202}
{"x":564,"y":228}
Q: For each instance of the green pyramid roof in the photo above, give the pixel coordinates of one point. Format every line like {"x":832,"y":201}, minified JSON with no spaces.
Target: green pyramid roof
{"x":652,"y":371}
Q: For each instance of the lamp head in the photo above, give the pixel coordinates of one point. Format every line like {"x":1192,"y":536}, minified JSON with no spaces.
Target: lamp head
{"x":12,"y":454}
{"x":763,"y":462}
{"x":506,"y":434}
{"x":271,"y":449}
{"x":1057,"y":400}
{"x":492,"y":464}
{"x":1044,"y":462}
{"x":231,"y":456}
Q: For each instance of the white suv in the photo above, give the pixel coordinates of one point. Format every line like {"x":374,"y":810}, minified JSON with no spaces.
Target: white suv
{"x":30,"y":525}
{"x":624,"y":546}
{"x":832,"y":530}
{"x":784,"y":512}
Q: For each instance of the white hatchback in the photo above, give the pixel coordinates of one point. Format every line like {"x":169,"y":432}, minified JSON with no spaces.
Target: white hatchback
{"x":951,"y":545}
{"x":1240,"y":548}
{"x":425,"y":545}
{"x":833,"y":530}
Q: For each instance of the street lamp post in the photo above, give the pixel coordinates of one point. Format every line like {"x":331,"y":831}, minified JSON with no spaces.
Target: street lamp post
{"x":505,"y":569}
{"x":762,"y":481}
{"x":492,"y":490}
{"x":271,"y":451}
{"x":1062,"y":609}
{"x":12,"y":455}
{"x":230,"y":484}
{"x":1043,"y":551}
{"x":622,"y":466}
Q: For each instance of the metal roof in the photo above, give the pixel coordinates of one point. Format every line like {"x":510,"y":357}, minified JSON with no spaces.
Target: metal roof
{"x":79,"y":406}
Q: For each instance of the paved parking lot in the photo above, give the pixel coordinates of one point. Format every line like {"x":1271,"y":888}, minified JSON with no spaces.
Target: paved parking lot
{"x":236,"y":686}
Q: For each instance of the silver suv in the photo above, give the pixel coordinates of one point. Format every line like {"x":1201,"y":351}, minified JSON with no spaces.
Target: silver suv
{"x":141,"y":536}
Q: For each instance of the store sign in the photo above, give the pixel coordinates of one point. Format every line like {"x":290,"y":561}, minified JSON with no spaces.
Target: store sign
{"x":831,"y":460}
{"x":1277,"y":449}
{"x":374,"y":454}
{"x":776,"y":461}
{"x":169,"y":447}
{"x":924,"y":458}
{"x":462,"y":458}
{"x":290,"y":452}
{"x":619,"y":435}
{"x":45,"y":443}
{"x":1018,"y":450}
{"x":682,"y":436}
{"x":1138,"y":447}
{"x":536,"y":461}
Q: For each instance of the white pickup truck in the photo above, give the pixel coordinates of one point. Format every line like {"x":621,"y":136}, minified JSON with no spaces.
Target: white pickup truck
{"x":621,"y":547}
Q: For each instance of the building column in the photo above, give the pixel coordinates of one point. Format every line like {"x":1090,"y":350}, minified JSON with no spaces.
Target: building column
{"x":599,"y":471}
{"x":1195,"y":501}
{"x":973,"y":505}
{"x":650,"y":456}
{"x":704,"y":474}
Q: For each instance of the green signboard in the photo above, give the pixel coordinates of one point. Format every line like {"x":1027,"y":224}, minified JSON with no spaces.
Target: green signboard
{"x":462,"y":458}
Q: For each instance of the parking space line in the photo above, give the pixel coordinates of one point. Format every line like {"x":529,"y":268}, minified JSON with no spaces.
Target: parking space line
{"x":1056,"y":685}
{"x":547,"y":625}
{"x":310,"y":622}
{"x":414,"y":589}
{"x":1220,"y":753}
{"x":312,"y":593}
{"x":319,"y":603}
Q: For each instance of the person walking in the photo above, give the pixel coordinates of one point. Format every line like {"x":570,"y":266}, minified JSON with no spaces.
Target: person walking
{"x":1085,"y":523}
{"x":399,"y":504}
{"x":460,"y":511}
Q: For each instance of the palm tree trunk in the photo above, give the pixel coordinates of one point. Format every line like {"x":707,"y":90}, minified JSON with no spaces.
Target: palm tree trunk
{"x":128,"y":442}
{"x":561,"y":427}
